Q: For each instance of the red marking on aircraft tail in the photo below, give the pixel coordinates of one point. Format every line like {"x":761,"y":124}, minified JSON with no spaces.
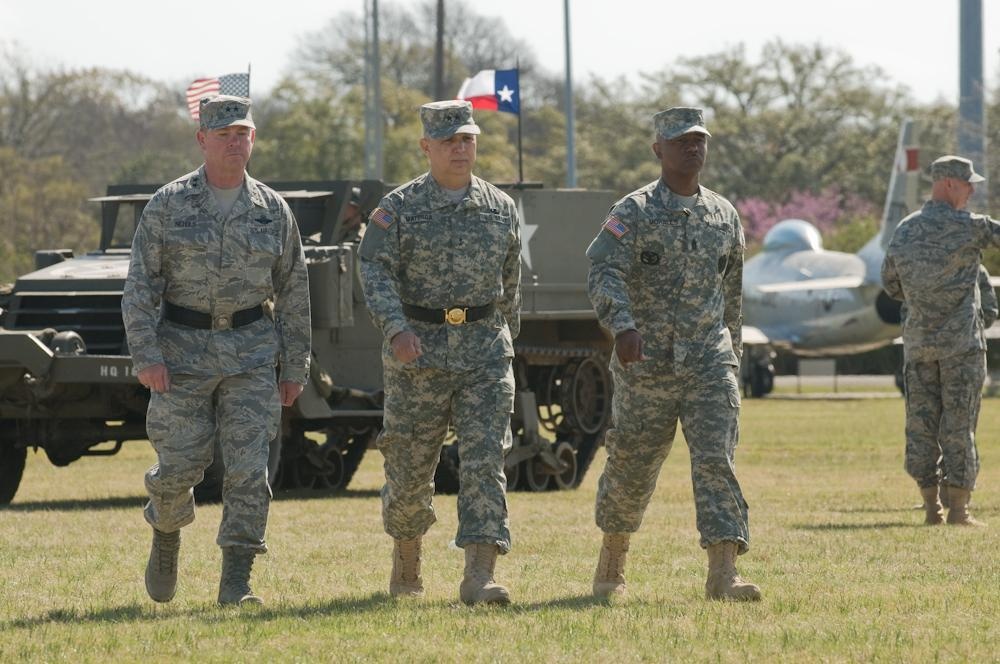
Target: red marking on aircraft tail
{"x":912,"y":159}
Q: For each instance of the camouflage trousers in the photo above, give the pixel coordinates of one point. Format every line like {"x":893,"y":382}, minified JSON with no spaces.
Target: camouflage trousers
{"x":419,"y":404}
{"x":244,"y":412}
{"x":649,"y":399}
{"x":942,"y":409}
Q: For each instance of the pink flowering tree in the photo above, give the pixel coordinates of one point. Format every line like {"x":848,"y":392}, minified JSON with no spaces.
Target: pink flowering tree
{"x":827,"y":210}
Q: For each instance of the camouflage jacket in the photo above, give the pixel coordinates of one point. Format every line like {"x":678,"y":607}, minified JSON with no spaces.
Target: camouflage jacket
{"x":672,"y":273}
{"x":423,"y":249}
{"x":932,"y":263}
{"x":186,"y":253}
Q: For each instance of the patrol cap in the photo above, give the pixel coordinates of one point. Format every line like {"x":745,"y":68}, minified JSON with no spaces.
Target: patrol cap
{"x":952,"y":166}
{"x":225,"y":110}
{"x":444,"y":119}
{"x":678,"y":121}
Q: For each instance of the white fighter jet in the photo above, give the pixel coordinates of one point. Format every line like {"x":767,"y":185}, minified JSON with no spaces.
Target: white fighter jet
{"x":813,"y":302}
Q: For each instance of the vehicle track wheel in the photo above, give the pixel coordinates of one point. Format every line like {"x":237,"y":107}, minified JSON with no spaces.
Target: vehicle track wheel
{"x":537,"y":475}
{"x":567,"y":457}
{"x":587,"y":395}
{"x":11,"y":470}
{"x":332,"y":476}
{"x":513,"y":474}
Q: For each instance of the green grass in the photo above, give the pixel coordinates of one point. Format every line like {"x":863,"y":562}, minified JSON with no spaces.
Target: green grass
{"x":847,"y":572}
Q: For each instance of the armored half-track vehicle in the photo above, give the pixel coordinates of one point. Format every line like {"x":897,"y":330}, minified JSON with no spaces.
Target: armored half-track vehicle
{"x":67,"y":385}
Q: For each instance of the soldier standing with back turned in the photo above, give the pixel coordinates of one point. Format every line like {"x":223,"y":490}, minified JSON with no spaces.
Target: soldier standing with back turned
{"x":211,"y":248}
{"x":933,"y":263}
{"x":441,"y":270}
{"x":666,"y":280}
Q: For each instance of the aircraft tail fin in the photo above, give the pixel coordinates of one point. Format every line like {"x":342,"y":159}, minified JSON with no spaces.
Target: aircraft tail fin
{"x":904,"y":183}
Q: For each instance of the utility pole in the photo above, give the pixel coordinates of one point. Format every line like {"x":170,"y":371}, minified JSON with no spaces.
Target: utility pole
{"x":971,"y":122}
{"x":439,"y":54}
{"x":570,"y":123}
{"x":373,"y":95}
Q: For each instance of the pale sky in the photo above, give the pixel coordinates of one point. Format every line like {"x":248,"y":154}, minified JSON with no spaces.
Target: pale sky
{"x":914,"y":41}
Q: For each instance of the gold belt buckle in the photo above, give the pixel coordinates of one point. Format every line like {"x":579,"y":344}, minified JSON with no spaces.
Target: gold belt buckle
{"x":223,"y":322}
{"x":454,"y":316}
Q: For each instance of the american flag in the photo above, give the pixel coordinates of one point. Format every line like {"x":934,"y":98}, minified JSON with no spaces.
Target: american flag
{"x":227,"y":84}
{"x":615,"y":226}
{"x":381,"y":218}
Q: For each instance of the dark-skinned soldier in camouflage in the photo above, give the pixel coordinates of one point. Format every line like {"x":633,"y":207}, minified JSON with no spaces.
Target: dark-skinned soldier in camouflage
{"x":933,"y":264}
{"x":665,"y":279}
{"x":211,"y":250}
{"x":441,"y":270}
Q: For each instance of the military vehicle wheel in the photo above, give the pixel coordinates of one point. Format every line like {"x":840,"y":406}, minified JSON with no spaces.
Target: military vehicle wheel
{"x":567,"y":456}
{"x":209,"y":490}
{"x":537,"y":475}
{"x":332,"y":475}
{"x":11,"y":470}
{"x":761,"y":381}
{"x":513,"y":474}
{"x":353,"y":443}
{"x":587,"y":394}
{"x":446,"y":474}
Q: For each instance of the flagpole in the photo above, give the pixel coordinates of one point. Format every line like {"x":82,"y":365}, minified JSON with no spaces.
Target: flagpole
{"x":248,"y":79}
{"x":520,"y":109}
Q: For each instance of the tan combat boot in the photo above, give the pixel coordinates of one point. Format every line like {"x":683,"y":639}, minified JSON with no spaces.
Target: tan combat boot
{"x":478,"y":586}
{"x":609,"y":579}
{"x":161,"y":570}
{"x":234,"y":586}
{"x":932,"y":505}
{"x":958,"y":513}
{"x":405,"y":580}
{"x":723,"y":581}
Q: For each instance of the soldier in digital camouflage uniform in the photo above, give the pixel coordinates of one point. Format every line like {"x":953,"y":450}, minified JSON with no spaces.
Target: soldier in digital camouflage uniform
{"x":211,"y":249}
{"x":665,"y":279}
{"x":933,"y":264}
{"x":441,"y":268}
{"x":989,"y":309}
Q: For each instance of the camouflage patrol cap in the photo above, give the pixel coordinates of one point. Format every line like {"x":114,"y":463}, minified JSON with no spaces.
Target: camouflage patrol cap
{"x":678,"y":121}
{"x":952,"y":166}
{"x":225,"y":110}
{"x":444,"y":119}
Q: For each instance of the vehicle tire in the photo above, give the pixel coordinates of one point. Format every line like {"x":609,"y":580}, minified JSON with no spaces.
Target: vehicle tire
{"x":446,"y":474}
{"x":567,"y":455}
{"x":761,"y":381}
{"x":11,"y":470}
{"x":209,"y":490}
{"x":536,"y":475}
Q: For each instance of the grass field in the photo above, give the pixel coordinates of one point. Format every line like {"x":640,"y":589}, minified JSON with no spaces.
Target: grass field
{"x":847,"y":572}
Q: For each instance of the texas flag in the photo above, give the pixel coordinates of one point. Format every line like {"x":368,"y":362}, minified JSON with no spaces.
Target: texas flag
{"x":493,"y":90}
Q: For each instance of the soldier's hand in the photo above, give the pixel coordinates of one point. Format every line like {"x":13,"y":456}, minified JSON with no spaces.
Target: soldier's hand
{"x":289,"y":391}
{"x":406,"y":347}
{"x":628,"y":346}
{"x":156,"y":378}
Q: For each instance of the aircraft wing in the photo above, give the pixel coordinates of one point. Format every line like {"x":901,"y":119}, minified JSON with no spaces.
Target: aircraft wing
{"x":992,"y":332}
{"x":826,"y":283}
{"x":994,"y":281}
{"x":753,"y":336}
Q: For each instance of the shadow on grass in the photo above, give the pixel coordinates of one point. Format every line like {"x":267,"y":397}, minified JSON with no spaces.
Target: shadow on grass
{"x":68,"y":505}
{"x":881,"y":525}
{"x":211,"y":613}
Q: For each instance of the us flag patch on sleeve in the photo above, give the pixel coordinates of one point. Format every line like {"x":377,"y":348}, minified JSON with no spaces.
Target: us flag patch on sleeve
{"x":381,"y":218}
{"x":615,"y":226}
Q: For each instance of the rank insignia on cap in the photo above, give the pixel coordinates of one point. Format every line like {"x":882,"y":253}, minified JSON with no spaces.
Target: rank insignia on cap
{"x":615,"y":226}
{"x":381,"y":218}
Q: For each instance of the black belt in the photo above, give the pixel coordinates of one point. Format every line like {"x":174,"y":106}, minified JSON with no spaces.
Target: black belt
{"x":451,"y":315}
{"x":197,"y":319}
